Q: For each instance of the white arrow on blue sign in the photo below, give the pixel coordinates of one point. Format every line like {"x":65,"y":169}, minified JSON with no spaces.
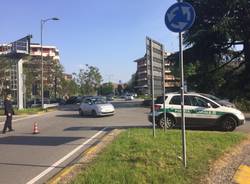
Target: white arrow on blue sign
{"x":180,"y":17}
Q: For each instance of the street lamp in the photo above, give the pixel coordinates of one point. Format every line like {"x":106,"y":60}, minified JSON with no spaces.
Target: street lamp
{"x":43,"y":21}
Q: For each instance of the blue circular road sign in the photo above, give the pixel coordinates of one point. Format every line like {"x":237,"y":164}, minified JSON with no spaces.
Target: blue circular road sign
{"x":180,"y":17}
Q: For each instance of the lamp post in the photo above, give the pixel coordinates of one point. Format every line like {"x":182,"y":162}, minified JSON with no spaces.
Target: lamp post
{"x":43,"y":21}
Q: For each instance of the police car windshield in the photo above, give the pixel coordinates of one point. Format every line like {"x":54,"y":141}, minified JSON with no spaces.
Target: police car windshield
{"x":212,"y":97}
{"x":216,"y":99}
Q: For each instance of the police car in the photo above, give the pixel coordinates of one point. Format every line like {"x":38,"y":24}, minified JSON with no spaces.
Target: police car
{"x":200,"y":111}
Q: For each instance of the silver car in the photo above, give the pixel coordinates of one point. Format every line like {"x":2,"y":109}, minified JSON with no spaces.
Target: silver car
{"x":96,"y":106}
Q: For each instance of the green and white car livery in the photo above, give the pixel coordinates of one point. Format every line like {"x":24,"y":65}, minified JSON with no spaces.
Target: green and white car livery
{"x":200,"y":111}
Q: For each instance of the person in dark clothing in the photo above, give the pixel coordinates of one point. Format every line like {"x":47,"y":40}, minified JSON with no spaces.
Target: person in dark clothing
{"x":9,"y":112}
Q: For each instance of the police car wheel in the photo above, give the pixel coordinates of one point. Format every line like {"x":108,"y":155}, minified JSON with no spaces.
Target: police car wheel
{"x":169,"y":122}
{"x":228,"y":123}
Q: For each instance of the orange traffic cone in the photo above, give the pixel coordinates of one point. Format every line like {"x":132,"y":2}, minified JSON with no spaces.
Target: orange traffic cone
{"x":35,"y":129}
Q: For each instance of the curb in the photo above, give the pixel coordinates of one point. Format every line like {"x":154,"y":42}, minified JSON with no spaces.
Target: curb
{"x":71,"y":171}
{"x":242,"y":175}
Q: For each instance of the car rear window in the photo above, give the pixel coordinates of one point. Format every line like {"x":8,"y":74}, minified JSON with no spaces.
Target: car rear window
{"x":159,"y":100}
{"x":176,"y":100}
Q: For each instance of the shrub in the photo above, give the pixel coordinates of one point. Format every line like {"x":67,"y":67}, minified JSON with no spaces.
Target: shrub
{"x":242,"y":104}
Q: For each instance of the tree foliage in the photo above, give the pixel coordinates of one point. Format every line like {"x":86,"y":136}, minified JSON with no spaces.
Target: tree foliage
{"x":120,"y":89}
{"x":5,"y":75}
{"x":89,"y":80}
{"x":132,"y":83}
{"x":107,"y":88}
{"x":219,"y":65}
{"x":69,"y":87}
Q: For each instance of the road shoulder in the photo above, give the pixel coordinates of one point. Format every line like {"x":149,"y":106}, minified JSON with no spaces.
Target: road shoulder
{"x":223,"y":169}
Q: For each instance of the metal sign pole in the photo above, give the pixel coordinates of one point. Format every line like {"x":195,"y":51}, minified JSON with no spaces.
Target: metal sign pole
{"x":182,"y":101}
{"x":184,"y":155}
{"x":163,"y":84}
{"x":178,"y":18}
{"x":152,"y":85}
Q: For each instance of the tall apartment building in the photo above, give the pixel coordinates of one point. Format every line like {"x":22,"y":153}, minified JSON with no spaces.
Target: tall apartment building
{"x":144,"y":77}
{"x":48,"y":51}
{"x":32,"y":69}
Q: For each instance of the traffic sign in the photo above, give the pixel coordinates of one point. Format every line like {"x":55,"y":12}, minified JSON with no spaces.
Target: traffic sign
{"x":21,"y":46}
{"x":180,"y":17}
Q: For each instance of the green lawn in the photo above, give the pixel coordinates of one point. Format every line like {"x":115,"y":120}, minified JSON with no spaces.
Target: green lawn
{"x":137,"y":157}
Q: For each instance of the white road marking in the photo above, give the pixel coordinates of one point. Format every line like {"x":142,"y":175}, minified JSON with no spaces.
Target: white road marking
{"x":42,"y":174}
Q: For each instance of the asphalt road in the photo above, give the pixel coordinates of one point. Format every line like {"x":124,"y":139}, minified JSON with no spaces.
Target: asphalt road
{"x":28,"y":158}
{"x":246,"y":127}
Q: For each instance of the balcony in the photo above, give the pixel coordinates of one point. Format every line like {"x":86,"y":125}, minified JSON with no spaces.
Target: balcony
{"x":167,"y":71}
{"x":143,"y":79}
{"x":142,"y":72}
{"x":170,"y":78}
{"x":56,"y":57}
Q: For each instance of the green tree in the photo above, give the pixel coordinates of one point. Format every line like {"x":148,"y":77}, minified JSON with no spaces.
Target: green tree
{"x":132,"y":82}
{"x":120,"y":89}
{"x":69,"y":87}
{"x":89,"y":80}
{"x":107,"y":88}
{"x":211,"y":41}
{"x":5,"y":65}
{"x":55,"y":78}
{"x":31,"y":69}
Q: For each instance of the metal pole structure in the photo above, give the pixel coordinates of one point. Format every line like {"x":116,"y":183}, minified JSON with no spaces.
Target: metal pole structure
{"x":24,"y":91}
{"x":182,"y":99}
{"x":182,"y":102}
{"x":43,"y":21}
{"x":20,"y":83}
{"x":152,"y":85}
{"x":163,"y":84}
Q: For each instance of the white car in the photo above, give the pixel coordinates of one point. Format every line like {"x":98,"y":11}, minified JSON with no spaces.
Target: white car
{"x":200,"y":111}
{"x":96,"y":106}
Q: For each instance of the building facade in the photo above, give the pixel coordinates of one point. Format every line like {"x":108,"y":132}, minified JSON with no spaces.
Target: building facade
{"x":31,"y":70}
{"x":67,"y":77}
{"x":143,"y":72}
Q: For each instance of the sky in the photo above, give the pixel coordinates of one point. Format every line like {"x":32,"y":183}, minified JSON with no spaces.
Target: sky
{"x":107,"y":34}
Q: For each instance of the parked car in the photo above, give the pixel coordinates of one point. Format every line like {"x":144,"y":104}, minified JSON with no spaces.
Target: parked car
{"x":33,"y":103}
{"x":60,"y":101}
{"x":200,"y":111}
{"x":74,"y":100}
{"x":110,"y":98}
{"x":129,"y":97}
{"x":96,"y":106}
{"x":36,"y":102}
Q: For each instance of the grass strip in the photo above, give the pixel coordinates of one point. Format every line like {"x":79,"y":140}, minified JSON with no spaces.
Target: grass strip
{"x":137,"y":157}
